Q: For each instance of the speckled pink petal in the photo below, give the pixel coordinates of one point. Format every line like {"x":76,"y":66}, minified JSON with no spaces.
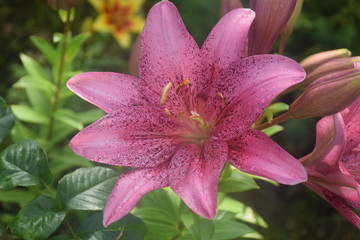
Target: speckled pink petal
{"x":106,"y":90}
{"x":194,"y":173}
{"x":227,"y":42}
{"x":248,"y":88}
{"x":136,"y":136}
{"x":168,"y":54}
{"x":255,"y":153}
{"x":129,"y":188}
{"x":330,"y":145}
{"x":271,"y":17}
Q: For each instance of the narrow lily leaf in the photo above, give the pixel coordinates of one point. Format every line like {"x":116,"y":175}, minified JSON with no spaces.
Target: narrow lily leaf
{"x":128,"y":227}
{"x":38,"y":219}
{"x":243,"y":212}
{"x":237,"y":182}
{"x":32,"y":67}
{"x":201,"y":229}
{"x":74,"y":45}
{"x":273,"y":130}
{"x":7,"y":119}
{"x":28,"y":114}
{"x":45,"y":48}
{"x":89,"y":116}
{"x":86,"y":188}
{"x":67,"y":117}
{"x":225,"y":230}
{"x":20,"y":132}
{"x":35,"y":82}
{"x":23,"y":164}
{"x":40,"y":100}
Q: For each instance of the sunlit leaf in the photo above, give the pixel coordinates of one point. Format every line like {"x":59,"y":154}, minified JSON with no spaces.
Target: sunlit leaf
{"x":20,"y":132}
{"x":237,"y":182}
{"x":200,"y":228}
{"x":28,"y":114}
{"x":86,"y":188}
{"x":68,"y":117}
{"x":38,"y":83}
{"x":74,"y":45}
{"x":23,"y":164}
{"x":38,"y":219}
{"x":32,"y":67}
{"x":45,"y":47}
{"x":225,"y":230}
{"x":128,"y":227}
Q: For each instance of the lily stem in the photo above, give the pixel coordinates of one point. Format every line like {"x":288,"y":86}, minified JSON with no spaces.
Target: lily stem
{"x":60,"y":74}
{"x":277,"y":120}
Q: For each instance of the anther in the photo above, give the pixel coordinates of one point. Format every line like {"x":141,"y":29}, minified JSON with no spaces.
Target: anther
{"x":165,"y":93}
{"x":198,"y":119}
{"x":183,"y":84}
{"x":180,"y":116}
{"x":221,"y":96}
{"x":167,"y":112}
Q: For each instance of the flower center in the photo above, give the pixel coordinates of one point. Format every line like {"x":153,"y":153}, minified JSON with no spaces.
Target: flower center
{"x":191,"y":114}
{"x":118,"y":16}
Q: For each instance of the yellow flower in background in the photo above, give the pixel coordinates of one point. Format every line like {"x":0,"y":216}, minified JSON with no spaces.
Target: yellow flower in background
{"x":119,"y":17}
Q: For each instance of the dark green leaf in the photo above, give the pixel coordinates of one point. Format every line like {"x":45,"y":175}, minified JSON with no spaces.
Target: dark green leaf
{"x":45,"y":48}
{"x":7,"y":119}
{"x":38,"y":219}
{"x":128,"y":227}
{"x":86,"y":188}
{"x":237,"y":182}
{"x":17,"y":196}
{"x":61,"y":237}
{"x":200,"y":228}
{"x":23,"y":164}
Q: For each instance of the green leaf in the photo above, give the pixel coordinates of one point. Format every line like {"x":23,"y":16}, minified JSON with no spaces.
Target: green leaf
{"x":23,"y":164}
{"x":7,"y":119}
{"x":38,"y":83}
{"x":200,"y":228}
{"x":17,"y":196}
{"x":74,"y":45}
{"x":237,"y":182}
{"x":28,"y":114}
{"x":273,"y":130}
{"x":226,"y":229}
{"x":61,"y":237}
{"x":90,"y":116}
{"x":46,"y":49}
{"x":243,"y":212}
{"x":128,"y":227}
{"x":32,"y":67}
{"x":20,"y":132}
{"x":38,"y":219}
{"x":67,"y":117}
{"x":2,"y":230}
{"x":86,"y":188}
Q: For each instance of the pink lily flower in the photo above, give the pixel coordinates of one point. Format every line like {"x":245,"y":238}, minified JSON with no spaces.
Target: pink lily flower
{"x":333,"y":167}
{"x":188,"y":113}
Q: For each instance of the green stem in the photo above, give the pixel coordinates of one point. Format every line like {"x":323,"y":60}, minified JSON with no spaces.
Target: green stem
{"x":275,"y":121}
{"x":60,"y":74}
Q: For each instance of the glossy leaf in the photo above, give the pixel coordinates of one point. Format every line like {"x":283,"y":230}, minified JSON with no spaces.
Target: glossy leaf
{"x":7,"y":119}
{"x":23,"y":164}
{"x":28,"y":114}
{"x":86,"y":188}
{"x":200,"y":228}
{"x":38,"y":219}
{"x":225,"y":230}
{"x":46,"y":49}
{"x":128,"y":227}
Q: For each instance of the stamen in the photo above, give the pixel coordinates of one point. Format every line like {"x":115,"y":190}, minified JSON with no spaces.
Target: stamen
{"x":221,"y":96}
{"x":165,"y":93}
{"x":183,"y":84}
{"x":198,"y":119}
{"x":180,"y":116}
{"x":167,"y":112}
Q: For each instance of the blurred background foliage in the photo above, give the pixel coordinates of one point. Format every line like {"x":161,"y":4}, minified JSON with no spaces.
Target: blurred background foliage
{"x":291,"y":212}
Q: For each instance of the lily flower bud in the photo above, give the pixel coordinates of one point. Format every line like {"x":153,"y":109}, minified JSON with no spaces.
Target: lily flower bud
{"x":330,"y":67}
{"x":61,"y":4}
{"x":228,"y":5}
{"x":327,"y":95}
{"x":286,"y":32}
{"x":271,"y":17}
{"x":317,"y":59}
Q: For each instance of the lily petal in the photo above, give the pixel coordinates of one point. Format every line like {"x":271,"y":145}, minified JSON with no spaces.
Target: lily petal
{"x":106,"y":90}
{"x":168,"y":54}
{"x":250,"y":87}
{"x":127,"y":138}
{"x":194,"y":175}
{"x":227,"y":42}
{"x":129,"y":188}
{"x":255,"y":153}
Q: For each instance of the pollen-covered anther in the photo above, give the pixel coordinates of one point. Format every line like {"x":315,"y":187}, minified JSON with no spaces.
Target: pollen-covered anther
{"x":167,"y":112}
{"x":180,"y":116}
{"x":165,"y":92}
{"x":183,"y":84}
{"x":198,"y":118}
{"x":221,"y":96}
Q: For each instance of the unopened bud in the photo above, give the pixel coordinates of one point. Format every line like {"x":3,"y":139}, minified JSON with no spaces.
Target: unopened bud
{"x":228,"y":5}
{"x":61,"y":4}
{"x":327,"y":95}
{"x":317,"y":59}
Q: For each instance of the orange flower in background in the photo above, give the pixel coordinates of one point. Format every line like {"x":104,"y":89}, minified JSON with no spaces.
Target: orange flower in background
{"x":119,"y":17}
